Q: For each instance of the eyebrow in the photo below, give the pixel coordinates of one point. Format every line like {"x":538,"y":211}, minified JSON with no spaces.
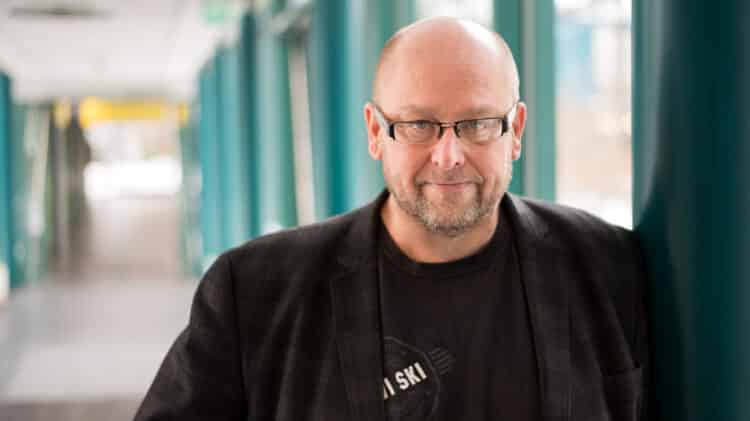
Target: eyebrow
{"x":471,"y":113}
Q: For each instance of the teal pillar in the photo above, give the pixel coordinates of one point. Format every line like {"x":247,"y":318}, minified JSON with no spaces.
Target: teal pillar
{"x":342,"y":55}
{"x":363,"y":178}
{"x":190,"y":195}
{"x":528,"y":27}
{"x":7,"y":227}
{"x":250,"y":86}
{"x":20,"y":165}
{"x":30,"y":165}
{"x":331,"y":127}
{"x":691,"y":154}
{"x":273,"y":152}
{"x":236,"y":202}
{"x":210,"y":162}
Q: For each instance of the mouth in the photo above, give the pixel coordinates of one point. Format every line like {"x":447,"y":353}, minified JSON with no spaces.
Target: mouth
{"x":450,"y":186}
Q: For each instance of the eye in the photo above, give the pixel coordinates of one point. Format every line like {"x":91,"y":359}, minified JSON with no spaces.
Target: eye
{"x":476,"y":124}
{"x":420,"y":125}
{"x":481,"y":125}
{"x":472,"y":126}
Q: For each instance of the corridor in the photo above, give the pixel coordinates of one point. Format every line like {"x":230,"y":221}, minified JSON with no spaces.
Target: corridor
{"x":86,"y":346}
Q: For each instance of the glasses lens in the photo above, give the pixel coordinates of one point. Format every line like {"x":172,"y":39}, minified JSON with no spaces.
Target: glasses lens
{"x":415,"y":131}
{"x":482,"y":130}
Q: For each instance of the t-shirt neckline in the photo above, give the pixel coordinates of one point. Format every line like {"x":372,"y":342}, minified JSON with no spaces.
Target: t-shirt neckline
{"x":480,"y":260}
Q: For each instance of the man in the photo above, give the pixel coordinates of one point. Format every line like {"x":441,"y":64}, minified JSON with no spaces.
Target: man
{"x":445,"y":299}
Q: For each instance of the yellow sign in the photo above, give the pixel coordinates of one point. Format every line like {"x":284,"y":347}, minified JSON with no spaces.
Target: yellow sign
{"x":94,"y":110}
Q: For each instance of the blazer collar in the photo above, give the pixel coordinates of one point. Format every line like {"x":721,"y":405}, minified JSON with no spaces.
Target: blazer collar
{"x":355,"y":298}
{"x":541,"y":266}
{"x":358,"y":243}
{"x":356,"y":309}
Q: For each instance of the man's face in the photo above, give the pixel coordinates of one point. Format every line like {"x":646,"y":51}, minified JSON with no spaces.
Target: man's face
{"x":450,"y":185}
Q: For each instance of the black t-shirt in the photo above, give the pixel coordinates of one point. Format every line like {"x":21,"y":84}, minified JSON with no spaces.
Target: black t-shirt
{"x":456,"y":336}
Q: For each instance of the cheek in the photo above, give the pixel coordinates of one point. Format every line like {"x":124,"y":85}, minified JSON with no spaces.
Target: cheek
{"x":400,"y":167}
{"x":492,"y":163}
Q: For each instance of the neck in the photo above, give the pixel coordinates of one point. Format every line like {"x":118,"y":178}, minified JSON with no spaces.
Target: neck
{"x":423,"y":245}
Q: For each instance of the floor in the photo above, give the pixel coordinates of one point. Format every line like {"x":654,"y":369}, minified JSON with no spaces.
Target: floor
{"x":86,"y":345}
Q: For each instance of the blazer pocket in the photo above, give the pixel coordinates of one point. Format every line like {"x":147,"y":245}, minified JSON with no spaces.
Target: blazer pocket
{"x":609,"y":398}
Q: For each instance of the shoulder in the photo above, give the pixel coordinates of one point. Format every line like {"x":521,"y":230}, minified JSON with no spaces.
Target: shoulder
{"x":562,"y":216}
{"x":266,"y":278}
{"x":310,"y":247}
{"x":576,"y":227}
{"x":595,"y":251}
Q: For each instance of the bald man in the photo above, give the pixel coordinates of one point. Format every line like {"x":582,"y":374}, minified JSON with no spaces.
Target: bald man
{"x":446,"y":298}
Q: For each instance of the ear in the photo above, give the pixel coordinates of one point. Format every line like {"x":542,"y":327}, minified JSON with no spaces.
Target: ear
{"x":518,"y":124}
{"x":374,"y":146}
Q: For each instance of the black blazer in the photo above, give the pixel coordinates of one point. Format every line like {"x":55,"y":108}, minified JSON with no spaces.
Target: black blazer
{"x":287,"y":326}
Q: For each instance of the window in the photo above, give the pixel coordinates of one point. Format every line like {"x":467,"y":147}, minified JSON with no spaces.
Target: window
{"x":593,"y":107}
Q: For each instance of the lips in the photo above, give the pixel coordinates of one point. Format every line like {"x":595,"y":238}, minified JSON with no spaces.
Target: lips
{"x":452,"y":186}
{"x":451,"y":182}
{"x":443,"y":181}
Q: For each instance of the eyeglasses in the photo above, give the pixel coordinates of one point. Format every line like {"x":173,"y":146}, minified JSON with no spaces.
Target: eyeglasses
{"x":476,"y":131}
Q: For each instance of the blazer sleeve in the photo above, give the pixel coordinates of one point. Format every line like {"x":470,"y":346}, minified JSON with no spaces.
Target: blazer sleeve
{"x":201,"y":376}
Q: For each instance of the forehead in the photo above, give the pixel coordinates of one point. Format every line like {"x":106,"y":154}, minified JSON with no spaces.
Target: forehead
{"x":448,"y":75}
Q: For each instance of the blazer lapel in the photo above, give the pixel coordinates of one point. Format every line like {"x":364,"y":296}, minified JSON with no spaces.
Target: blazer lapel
{"x":356,"y":312}
{"x":548,"y":301}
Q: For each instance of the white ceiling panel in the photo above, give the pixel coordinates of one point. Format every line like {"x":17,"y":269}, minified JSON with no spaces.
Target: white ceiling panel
{"x":104,"y":47}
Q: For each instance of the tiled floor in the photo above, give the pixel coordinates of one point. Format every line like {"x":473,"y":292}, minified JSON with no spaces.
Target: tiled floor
{"x":86,"y":347}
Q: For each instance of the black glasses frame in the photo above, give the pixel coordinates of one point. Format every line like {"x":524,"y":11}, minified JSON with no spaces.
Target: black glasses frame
{"x":390,"y":125}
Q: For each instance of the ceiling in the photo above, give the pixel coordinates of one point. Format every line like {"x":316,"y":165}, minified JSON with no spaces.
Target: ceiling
{"x":110,"y":48}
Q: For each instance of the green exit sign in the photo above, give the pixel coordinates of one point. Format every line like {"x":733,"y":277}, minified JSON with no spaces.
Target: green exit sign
{"x":220,"y":12}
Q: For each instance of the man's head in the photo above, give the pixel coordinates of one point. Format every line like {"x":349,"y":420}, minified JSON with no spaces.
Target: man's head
{"x":446,"y":70}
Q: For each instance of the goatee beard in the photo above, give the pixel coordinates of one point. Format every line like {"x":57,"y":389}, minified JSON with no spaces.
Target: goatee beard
{"x":427,"y":213}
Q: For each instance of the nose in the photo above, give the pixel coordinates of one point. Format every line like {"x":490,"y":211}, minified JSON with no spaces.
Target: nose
{"x":448,"y":152}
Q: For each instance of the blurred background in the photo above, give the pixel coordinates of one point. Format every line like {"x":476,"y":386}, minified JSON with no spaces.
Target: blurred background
{"x":140,"y":139}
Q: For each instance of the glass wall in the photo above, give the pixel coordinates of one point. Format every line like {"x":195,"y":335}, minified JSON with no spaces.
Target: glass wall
{"x":593,"y":107}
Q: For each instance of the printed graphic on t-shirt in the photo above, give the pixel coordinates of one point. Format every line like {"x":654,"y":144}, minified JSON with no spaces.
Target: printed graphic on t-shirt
{"x":412,"y":382}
